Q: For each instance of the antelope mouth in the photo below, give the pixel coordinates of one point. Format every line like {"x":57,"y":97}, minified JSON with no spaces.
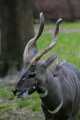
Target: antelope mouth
{"x":24,"y":93}
{"x":19,"y":94}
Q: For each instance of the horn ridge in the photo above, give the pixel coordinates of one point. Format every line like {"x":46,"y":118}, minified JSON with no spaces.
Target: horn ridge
{"x":30,"y":46}
{"x":51,"y":45}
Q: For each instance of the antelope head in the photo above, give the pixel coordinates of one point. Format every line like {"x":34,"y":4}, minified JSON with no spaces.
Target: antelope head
{"x":33,"y":77}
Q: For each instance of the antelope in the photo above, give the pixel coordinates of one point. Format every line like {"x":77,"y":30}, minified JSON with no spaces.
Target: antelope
{"x":58,"y":85}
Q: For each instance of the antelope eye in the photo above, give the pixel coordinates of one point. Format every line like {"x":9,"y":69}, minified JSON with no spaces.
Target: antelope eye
{"x":55,"y":75}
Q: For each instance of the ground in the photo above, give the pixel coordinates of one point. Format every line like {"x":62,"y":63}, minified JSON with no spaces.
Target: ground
{"x":20,"y":114}
{"x":12,"y":108}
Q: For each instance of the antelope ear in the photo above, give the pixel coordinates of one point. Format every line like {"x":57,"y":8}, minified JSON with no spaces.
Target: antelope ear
{"x":50,"y":60}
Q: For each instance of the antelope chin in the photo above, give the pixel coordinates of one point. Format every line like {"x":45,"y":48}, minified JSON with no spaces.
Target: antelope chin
{"x":25,"y":94}
{"x":22,"y":94}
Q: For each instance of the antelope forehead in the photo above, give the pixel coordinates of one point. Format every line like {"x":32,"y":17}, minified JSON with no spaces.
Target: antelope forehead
{"x":41,"y":76}
{"x":41,"y":68}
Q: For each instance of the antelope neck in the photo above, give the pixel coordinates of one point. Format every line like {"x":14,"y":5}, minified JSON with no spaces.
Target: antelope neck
{"x":56,"y":110}
{"x":43,"y":92}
